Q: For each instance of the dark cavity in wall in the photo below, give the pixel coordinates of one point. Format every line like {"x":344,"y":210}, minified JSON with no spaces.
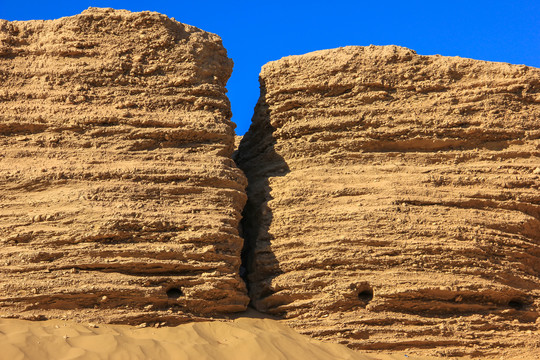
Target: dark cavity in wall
{"x":516,"y":304}
{"x":174,"y":293}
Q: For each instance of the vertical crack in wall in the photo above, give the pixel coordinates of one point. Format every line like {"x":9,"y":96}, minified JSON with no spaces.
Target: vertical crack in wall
{"x":258,"y":159}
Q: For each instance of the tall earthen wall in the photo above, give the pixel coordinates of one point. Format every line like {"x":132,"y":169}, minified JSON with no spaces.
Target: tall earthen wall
{"x":394,"y":199}
{"x":119,"y":201}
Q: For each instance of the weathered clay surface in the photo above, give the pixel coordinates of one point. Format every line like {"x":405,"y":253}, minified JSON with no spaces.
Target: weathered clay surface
{"x":394,"y":200}
{"x":119,"y":201}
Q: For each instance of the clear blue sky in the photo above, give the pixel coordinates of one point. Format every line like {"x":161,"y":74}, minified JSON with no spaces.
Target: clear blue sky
{"x":256,"y":32}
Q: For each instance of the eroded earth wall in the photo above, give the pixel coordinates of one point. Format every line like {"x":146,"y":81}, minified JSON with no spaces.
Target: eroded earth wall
{"x":119,"y":201}
{"x":394,"y":200}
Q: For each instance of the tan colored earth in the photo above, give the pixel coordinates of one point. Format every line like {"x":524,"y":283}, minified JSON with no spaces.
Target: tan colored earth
{"x":119,"y":201}
{"x":243,"y":338}
{"x":394,"y":200}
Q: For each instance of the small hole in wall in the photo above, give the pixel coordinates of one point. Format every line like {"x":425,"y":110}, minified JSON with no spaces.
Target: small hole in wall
{"x":174,"y":293}
{"x":516,"y":304}
{"x":366,"y":295}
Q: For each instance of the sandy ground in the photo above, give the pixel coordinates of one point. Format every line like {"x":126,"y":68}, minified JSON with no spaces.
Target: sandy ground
{"x":243,"y":338}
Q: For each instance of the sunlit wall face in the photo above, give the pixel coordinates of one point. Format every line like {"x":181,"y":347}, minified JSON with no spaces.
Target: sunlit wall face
{"x":257,"y":32}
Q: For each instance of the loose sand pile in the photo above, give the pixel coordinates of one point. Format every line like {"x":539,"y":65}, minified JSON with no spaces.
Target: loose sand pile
{"x":244,"y":338}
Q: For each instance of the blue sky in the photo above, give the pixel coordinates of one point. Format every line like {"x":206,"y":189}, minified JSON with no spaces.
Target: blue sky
{"x":256,"y":32}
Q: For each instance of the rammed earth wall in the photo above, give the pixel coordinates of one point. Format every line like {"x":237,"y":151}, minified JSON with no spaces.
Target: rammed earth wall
{"x":394,"y":199}
{"x":119,"y":200}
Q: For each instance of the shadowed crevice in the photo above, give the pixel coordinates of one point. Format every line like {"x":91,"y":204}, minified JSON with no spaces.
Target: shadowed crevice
{"x":258,"y":159}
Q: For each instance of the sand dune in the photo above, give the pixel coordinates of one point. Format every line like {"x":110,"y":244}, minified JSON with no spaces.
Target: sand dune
{"x":244,"y":338}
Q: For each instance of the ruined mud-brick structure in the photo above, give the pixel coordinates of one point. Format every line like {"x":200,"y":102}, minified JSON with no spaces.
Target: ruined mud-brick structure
{"x":394,"y":200}
{"x":119,"y":201}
